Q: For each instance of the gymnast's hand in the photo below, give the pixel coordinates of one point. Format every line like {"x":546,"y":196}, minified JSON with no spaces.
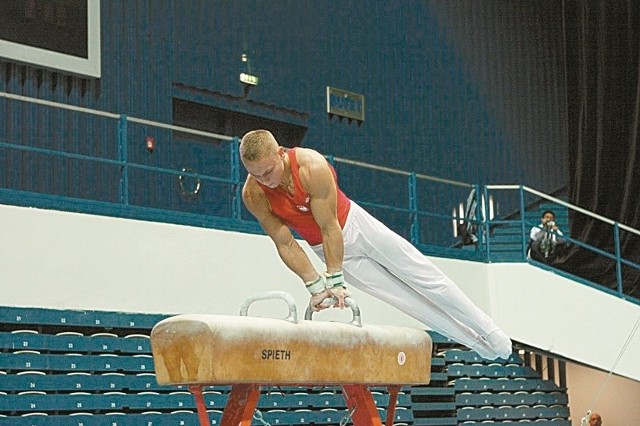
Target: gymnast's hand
{"x":317,"y":298}
{"x":335,"y":284}
{"x":339,"y":293}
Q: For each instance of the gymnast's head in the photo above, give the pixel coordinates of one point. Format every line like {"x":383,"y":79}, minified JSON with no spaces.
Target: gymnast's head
{"x":263,"y":158}
{"x":257,"y":145}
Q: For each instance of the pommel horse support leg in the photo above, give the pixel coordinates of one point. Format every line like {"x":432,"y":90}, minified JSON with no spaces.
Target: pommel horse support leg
{"x":250,"y":352}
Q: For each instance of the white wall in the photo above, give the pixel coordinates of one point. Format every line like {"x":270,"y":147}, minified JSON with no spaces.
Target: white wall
{"x":75,"y":261}
{"x":66,"y":260}
{"x":615,"y":398}
{"x":549,"y":312}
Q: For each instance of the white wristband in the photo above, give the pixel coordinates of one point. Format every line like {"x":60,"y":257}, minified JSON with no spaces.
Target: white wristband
{"x":315,"y":287}
{"x":335,"y":279}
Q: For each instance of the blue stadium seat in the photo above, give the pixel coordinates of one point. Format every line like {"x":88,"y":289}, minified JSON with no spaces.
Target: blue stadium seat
{"x":326,"y":400}
{"x":555,"y":411}
{"x":560,"y":422}
{"x":550,"y":398}
{"x":328,"y":416}
{"x":475,"y":414}
{"x":214,"y":399}
{"x":272,"y":400}
{"x":135,"y":344}
{"x":475,"y":399}
{"x":22,"y":339}
{"x":520,"y":371}
{"x":464,"y":356}
{"x":302,"y":416}
{"x":402,"y":414}
{"x":437,"y":361}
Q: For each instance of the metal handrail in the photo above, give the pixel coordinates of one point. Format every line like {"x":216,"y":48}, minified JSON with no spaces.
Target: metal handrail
{"x":616,"y":256}
{"x":113,"y":115}
{"x":402,"y":172}
{"x":481,"y":220}
{"x":565,"y":204}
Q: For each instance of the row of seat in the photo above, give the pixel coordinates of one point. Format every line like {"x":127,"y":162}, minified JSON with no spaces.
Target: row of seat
{"x":118,"y":363}
{"x":74,"y":342}
{"x":538,"y":422}
{"x":476,"y":370}
{"x":324,"y":400}
{"x":139,"y":382}
{"x":504,"y":384}
{"x":86,"y":382}
{"x":471,"y":357}
{"x":326,"y":416}
{"x":33,"y":360}
{"x":141,"y":394}
{"x":518,"y":398}
{"x":512,"y":413}
{"x":80,"y":401}
{"x":59,"y":318}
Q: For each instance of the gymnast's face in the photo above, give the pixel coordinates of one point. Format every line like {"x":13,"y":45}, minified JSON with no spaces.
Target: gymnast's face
{"x":269,"y":169}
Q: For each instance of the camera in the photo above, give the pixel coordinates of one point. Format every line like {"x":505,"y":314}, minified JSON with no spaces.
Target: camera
{"x":550,"y":224}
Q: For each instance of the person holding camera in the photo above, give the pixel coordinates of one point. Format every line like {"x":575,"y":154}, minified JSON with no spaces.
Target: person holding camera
{"x":546,"y":239}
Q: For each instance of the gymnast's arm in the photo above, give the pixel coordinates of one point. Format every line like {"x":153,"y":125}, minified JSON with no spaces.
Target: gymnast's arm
{"x":319,"y":182}
{"x":317,"y":179}
{"x":288,"y":248}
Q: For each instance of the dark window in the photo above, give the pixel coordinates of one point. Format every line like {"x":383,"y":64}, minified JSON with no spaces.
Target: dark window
{"x":232,"y":123}
{"x":55,"y":25}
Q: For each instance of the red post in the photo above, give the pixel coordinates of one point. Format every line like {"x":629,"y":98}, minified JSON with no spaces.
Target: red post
{"x":393,"y":399}
{"x":241,"y":405}
{"x":360,"y":401}
{"x":203,"y":417}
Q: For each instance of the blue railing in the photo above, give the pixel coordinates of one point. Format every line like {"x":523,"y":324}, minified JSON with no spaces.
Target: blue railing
{"x":128,"y":179}
{"x":524,"y":223}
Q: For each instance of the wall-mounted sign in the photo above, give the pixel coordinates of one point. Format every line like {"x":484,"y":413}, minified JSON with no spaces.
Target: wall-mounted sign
{"x":249,"y":79}
{"x":345,"y":104}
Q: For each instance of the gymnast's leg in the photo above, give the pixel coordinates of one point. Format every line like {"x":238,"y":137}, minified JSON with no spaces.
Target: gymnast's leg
{"x":385,"y":265}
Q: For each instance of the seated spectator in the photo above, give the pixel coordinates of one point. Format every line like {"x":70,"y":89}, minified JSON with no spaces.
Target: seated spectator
{"x":546,"y":242}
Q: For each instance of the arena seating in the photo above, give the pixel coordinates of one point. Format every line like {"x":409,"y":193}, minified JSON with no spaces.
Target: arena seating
{"x":485,"y":392}
{"x":84,"y":368}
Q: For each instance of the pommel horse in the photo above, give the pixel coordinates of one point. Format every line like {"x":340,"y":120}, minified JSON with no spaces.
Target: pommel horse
{"x":249,"y":352}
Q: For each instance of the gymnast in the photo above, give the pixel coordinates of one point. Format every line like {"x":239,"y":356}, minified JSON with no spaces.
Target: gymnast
{"x":298,"y":189}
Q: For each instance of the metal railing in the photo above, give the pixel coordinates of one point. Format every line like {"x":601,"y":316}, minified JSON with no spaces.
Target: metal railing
{"x":526,"y":224}
{"x":47,"y":167}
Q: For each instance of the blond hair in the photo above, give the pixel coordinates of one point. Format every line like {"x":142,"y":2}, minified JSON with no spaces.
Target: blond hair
{"x":257,"y":144}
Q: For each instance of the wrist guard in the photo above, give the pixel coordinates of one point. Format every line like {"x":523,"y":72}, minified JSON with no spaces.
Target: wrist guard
{"x":315,"y":287}
{"x":334,"y":280}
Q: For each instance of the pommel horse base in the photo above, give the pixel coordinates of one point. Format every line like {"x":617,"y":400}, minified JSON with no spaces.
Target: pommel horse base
{"x":250,"y":352}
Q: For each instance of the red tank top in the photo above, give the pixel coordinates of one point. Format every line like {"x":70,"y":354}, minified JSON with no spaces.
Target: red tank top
{"x":295,"y":210}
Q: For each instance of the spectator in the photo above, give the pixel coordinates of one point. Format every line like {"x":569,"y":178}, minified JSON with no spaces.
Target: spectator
{"x":546,"y":242}
{"x":595,"y":420}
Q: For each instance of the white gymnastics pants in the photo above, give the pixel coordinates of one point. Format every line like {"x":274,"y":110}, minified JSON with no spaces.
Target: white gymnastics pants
{"x":381,"y":263}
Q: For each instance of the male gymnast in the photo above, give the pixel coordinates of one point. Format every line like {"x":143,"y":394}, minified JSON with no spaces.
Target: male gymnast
{"x":298,"y":189}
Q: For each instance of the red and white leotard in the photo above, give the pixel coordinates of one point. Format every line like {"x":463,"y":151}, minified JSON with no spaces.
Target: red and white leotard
{"x":295,"y":210}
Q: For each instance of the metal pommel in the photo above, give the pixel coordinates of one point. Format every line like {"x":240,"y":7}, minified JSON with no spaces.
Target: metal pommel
{"x":332,"y":301}
{"x":269,"y":295}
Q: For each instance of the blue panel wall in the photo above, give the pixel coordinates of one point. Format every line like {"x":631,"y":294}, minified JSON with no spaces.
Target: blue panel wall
{"x":466,"y":90}
{"x":470,"y":90}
